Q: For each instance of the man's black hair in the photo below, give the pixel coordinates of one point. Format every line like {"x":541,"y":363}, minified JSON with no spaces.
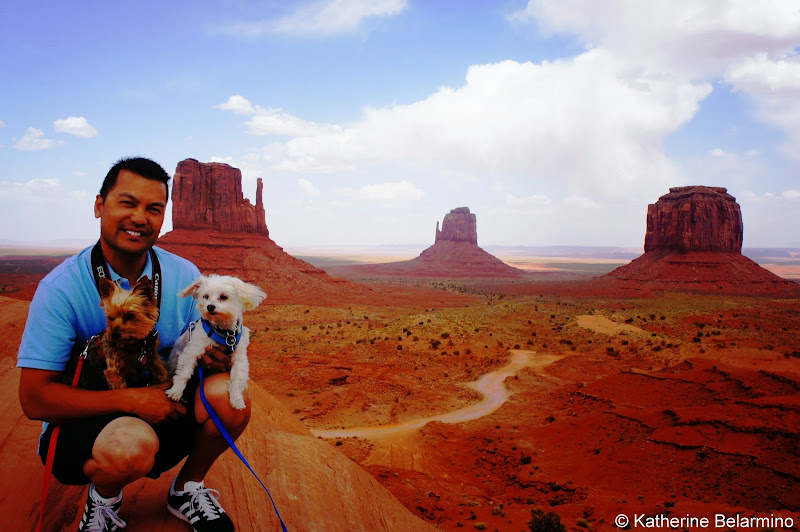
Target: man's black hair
{"x":139,"y":166}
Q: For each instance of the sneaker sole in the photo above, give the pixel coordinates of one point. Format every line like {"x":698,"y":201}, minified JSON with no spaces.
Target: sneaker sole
{"x":180,"y":516}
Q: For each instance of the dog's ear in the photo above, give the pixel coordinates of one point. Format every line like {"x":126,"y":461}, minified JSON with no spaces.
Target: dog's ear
{"x":105,"y":288}
{"x":144,"y":288}
{"x":250,"y":294}
{"x":192,"y":289}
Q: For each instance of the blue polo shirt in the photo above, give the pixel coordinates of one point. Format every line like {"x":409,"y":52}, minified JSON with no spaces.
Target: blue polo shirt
{"x":65,"y":311}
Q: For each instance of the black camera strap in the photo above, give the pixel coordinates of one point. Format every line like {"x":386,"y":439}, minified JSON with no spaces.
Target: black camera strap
{"x":99,"y":269}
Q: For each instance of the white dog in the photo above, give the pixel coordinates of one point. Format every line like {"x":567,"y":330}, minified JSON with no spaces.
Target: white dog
{"x":221,"y":301}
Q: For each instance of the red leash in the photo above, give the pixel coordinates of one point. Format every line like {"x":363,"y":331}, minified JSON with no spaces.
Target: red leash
{"x":51,"y":448}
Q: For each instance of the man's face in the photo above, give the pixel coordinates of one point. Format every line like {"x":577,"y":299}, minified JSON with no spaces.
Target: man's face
{"x":132,"y":213}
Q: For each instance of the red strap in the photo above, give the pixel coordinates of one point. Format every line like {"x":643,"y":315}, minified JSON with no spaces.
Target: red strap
{"x":51,"y":453}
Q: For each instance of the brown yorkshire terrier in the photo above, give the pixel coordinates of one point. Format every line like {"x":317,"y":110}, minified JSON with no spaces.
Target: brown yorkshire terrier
{"x":116,"y":359}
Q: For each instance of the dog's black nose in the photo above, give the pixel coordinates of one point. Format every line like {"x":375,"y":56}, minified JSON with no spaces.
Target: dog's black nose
{"x":210,"y":308}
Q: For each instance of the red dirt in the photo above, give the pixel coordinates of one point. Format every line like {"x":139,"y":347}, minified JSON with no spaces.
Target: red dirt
{"x":697,"y":416}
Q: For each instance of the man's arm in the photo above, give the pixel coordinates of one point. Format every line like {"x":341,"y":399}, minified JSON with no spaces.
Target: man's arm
{"x":44,"y":397}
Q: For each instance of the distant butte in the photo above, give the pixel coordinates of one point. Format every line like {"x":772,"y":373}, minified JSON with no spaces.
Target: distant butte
{"x":219,"y":230}
{"x":454,"y":254}
{"x":693,"y":242}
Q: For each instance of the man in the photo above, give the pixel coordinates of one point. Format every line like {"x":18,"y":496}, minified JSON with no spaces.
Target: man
{"x":111,"y":438}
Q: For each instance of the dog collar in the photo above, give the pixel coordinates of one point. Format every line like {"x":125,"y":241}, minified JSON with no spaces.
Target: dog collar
{"x":226,"y":337}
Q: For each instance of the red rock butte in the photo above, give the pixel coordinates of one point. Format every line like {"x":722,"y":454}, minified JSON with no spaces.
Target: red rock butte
{"x":220,"y":231}
{"x":694,"y":242}
{"x":454,"y":254}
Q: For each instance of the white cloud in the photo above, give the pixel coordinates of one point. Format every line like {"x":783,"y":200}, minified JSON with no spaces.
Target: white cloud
{"x":2,"y":124}
{"x":308,"y":187}
{"x":763,"y":75}
{"x":719,"y":152}
{"x":792,"y":194}
{"x":542,"y":121}
{"x":699,"y":37}
{"x":31,"y":187}
{"x":775,"y":85}
{"x":75,"y":125}
{"x":36,"y":201}
{"x":386,"y":193}
{"x":271,"y":121}
{"x":336,"y":17}
{"x":237,"y":104}
{"x":322,"y":18}
{"x":580,"y":202}
{"x":528,"y":201}
{"x":34,"y":140}
{"x":751,"y":45}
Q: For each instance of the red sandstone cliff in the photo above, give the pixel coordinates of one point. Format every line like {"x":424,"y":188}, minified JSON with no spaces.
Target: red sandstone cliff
{"x":209,"y":196}
{"x":223,"y":233}
{"x":694,"y":242}
{"x":454,"y":254}
{"x":694,"y":218}
{"x":459,"y":225}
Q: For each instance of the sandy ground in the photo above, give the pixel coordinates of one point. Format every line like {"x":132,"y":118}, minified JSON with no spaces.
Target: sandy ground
{"x":671,"y":404}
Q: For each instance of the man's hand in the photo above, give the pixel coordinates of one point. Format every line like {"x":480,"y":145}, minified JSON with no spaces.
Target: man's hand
{"x":216,"y":360}
{"x":152,"y":405}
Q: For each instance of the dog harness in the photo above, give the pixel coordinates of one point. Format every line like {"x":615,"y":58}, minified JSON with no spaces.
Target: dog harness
{"x":227,"y":337}
{"x":146,"y":345}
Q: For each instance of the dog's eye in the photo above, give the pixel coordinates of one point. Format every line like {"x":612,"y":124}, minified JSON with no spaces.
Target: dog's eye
{"x":130,"y":316}
{"x":205,"y":296}
{"x":223,"y":297}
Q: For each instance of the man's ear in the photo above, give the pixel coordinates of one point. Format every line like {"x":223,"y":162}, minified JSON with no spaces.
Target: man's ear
{"x":98,"y":206}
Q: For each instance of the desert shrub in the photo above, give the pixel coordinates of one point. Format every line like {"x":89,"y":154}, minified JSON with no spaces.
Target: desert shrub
{"x":480,"y":525}
{"x":445,"y":335}
{"x":545,"y":522}
{"x":525,"y":459}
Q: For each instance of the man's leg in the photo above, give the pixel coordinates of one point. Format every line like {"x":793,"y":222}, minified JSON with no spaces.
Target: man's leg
{"x":123,"y":452}
{"x":188,"y":498}
{"x":209,"y":443}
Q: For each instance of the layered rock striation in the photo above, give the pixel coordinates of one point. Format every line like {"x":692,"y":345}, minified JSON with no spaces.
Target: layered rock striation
{"x":459,"y":225}
{"x":694,"y":218}
{"x":221,"y":232}
{"x":693,"y":242}
{"x":208,"y":196}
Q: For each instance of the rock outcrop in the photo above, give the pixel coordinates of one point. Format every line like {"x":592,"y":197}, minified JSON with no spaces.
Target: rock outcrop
{"x":459,"y":225}
{"x":694,"y":218}
{"x":209,"y":196}
{"x":223,"y":233}
{"x":693,"y":242}
{"x":314,"y":486}
{"x":454,"y":254}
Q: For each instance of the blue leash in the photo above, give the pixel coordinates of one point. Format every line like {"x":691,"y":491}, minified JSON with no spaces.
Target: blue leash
{"x":232,"y":445}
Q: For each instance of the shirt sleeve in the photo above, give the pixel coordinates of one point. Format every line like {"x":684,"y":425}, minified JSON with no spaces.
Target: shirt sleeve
{"x":50,"y":331}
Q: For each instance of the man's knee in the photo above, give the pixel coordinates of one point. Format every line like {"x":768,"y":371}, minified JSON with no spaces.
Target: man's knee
{"x":216,"y":391}
{"x":127,"y":444}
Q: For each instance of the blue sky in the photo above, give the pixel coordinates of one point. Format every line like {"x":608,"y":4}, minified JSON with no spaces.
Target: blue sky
{"x":556,"y":122}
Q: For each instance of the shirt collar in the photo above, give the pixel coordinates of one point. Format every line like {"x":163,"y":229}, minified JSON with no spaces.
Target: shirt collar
{"x":122,"y":282}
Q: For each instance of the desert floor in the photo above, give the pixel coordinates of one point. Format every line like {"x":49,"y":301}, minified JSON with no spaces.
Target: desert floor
{"x":675,"y":404}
